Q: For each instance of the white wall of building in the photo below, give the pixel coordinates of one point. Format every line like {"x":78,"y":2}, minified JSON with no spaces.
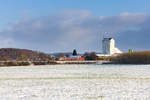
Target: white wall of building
{"x":108,"y":45}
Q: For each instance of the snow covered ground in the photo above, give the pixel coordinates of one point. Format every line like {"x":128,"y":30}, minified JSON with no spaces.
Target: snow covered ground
{"x":75,"y":82}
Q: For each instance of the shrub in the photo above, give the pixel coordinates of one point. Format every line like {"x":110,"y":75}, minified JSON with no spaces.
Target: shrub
{"x":39,"y":63}
{"x":23,"y":63}
{"x":10,"y":64}
{"x":90,"y":56}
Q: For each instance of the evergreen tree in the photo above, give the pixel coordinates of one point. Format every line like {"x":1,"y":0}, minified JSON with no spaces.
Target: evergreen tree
{"x":74,"y":52}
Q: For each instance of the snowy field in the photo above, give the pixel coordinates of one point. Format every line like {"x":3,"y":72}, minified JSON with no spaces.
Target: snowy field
{"x":75,"y":82}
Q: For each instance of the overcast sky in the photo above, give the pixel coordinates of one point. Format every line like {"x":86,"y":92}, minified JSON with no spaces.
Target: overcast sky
{"x":63,"y":25}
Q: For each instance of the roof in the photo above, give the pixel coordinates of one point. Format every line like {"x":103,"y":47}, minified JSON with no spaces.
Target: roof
{"x":103,"y":55}
{"x":108,"y":38}
{"x":74,"y":56}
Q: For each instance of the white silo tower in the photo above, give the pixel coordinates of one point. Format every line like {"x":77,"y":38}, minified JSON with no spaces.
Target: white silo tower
{"x":108,"y":45}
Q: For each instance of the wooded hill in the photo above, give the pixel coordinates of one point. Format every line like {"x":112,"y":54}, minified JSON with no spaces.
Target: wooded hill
{"x":132,"y":58}
{"x":13,"y":54}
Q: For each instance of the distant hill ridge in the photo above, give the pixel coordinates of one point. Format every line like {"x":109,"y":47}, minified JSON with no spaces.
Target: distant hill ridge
{"x":22,"y":55}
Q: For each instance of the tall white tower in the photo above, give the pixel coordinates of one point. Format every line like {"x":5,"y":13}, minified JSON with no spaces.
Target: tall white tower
{"x":108,"y":46}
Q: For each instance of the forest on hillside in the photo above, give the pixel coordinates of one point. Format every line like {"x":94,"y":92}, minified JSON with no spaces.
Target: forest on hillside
{"x":15,"y":57}
{"x":9,"y":54}
{"x":132,"y":58}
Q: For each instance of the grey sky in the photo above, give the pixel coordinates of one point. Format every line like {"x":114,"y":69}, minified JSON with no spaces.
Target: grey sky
{"x":79,"y":29}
